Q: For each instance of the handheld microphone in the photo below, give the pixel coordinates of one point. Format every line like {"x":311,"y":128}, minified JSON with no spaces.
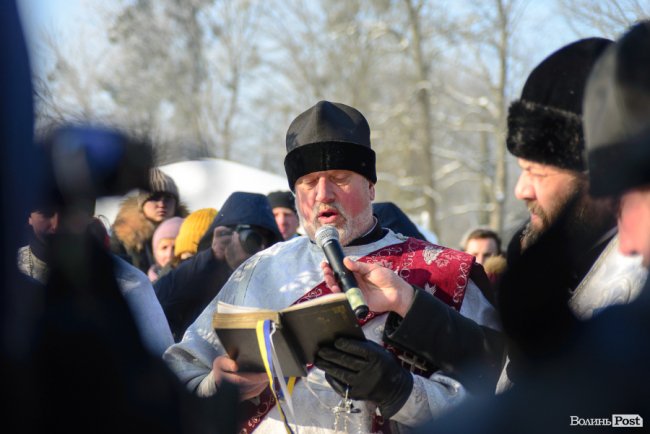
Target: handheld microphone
{"x":327,"y":238}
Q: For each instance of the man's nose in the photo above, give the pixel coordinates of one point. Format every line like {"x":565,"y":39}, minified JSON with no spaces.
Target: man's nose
{"x":627,"y":245}
{"x":324,"y":191}
{"x":524,"y":188}
{"x":54,"y":222}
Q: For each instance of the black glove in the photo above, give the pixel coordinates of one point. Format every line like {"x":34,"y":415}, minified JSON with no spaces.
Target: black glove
{"x":370,"y":372}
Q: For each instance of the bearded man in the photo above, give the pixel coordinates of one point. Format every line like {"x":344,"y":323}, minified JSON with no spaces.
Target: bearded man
{"x":331,"y":168}
{"x":545,"y":133}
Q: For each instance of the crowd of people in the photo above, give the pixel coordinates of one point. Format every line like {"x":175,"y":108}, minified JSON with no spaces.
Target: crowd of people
{"x":544,"y":335}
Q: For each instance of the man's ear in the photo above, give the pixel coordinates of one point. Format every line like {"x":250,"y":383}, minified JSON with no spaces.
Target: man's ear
{"x":371,"y":191}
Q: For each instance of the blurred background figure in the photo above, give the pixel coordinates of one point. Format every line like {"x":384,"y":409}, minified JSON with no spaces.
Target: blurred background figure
{"x":483,"y":243}
{"x":284,"y":210}
{"x":43,"y":222}
{"x":56,"y":217}
{"x":163,"y":243}
{"x":192,"y":229}
{"x":140,"y":215}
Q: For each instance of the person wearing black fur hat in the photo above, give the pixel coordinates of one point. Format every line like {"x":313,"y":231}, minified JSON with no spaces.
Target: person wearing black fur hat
{"x":243,"y":226}
{"x":545,"y":134}
{"x":604,"y":368}
{"x":140,"y":215}
{"x":330,"y":166}
{"x":283,"y":205}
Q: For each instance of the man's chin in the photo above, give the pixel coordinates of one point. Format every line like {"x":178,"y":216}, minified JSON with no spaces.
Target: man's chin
{"x":530,"y":235}
{"x":646,"y":261}
{"x":341,"y":229}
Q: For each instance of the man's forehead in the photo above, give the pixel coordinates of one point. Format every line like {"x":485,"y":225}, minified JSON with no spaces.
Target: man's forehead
{"x":481,"y":241}
{"x":534,"y":165}
{"x":331,"y":172}
{"x":43,"y":212}
{"x":641,"y":193}
{"x":283,"y":210}
{"x":525,"y":164}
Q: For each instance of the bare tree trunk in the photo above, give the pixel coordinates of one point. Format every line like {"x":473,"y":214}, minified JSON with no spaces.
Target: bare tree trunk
{"x":486,"y":197}
{"x":232,"y":109}
{"x":501,"y":175}
{"x":195,"y":45}
{"x":424,"y":101}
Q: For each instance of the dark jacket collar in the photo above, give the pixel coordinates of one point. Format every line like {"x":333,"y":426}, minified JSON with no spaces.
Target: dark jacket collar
{"x":38,"y":247}
{"x":375,"y":234}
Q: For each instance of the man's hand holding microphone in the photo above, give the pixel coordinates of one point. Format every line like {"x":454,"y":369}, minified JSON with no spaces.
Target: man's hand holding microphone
{"x":363,"y":369}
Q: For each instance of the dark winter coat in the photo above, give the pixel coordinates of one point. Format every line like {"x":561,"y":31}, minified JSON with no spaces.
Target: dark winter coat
{"x":392,"y":217}
{"x":188,"y":288}
{"x":444,"y":339}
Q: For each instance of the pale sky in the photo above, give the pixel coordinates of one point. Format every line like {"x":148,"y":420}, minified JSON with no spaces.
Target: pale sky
{"x":66,"y":19}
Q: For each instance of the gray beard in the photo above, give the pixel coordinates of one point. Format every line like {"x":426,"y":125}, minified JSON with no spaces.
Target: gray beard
{"x":529,"y":236}
{"x":351,"y":229}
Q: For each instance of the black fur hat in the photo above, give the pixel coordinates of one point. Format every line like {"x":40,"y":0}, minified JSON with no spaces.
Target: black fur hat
{"x":545,"y":125}
{"x":329,"y":136}
{"x":617,"y":115}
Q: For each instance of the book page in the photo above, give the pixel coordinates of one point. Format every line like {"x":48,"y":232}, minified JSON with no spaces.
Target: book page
{"x":223,"y":307}
{"x":230,"y":316}
{"x":324,"y":299}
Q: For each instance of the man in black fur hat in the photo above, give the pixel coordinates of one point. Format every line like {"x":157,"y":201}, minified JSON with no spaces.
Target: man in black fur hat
{"x":545,"y":134}
{"x":600,"y":379}
{"x":331,"y":168}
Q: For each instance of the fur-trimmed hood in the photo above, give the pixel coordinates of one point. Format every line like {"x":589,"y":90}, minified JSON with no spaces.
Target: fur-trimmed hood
{"x":132,"y":228}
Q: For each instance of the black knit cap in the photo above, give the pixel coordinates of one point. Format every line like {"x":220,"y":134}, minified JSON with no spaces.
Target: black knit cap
{"x":617,"y":115}
{"x":283,"y":199}
{"x":545,"y":125}
{"x":329,"y":136}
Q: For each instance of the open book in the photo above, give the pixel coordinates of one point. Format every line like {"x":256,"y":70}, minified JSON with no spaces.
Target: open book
{"x":300,"y":330}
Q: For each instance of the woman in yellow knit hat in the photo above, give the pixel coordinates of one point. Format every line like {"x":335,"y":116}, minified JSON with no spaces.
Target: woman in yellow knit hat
{"x":191,"y":231}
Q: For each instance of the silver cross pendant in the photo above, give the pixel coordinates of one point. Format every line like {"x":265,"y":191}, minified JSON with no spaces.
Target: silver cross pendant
{"x":345,"y":405}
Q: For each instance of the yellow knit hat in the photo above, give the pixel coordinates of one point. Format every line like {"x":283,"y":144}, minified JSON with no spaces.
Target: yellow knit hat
{"x":192,"y":229}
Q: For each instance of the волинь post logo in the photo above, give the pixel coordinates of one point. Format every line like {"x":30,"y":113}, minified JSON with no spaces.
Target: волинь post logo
{"x":616,"y":421}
